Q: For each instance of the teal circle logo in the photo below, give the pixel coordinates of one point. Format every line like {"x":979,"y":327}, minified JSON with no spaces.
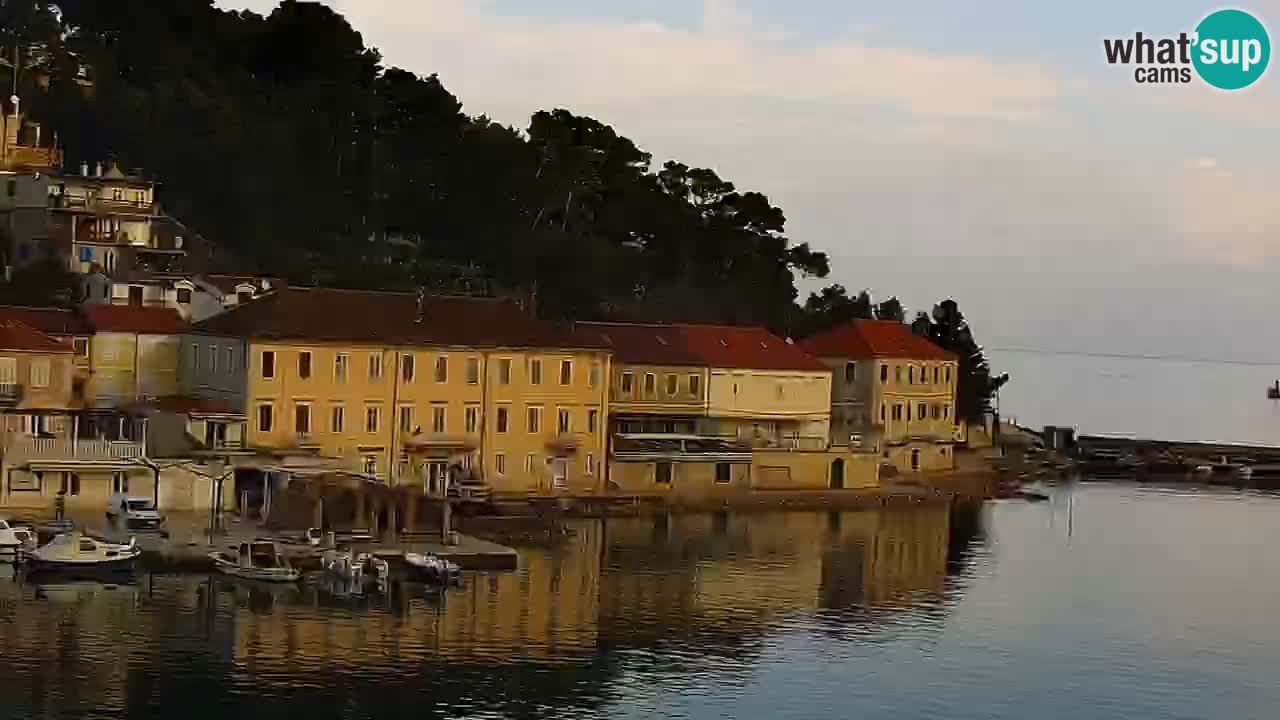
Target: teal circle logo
{"x":1232,"y":49}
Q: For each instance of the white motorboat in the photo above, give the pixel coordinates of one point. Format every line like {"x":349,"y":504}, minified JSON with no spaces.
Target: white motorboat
{"x":15,"y":539}
{"x":75,"y":550}
{"x":257,"y":560}
{"x":432,"y":567}
{"x":354,"y":567}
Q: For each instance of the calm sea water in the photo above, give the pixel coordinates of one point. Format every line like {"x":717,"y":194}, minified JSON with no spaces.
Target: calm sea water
{"x":1107,"y":602}
{"x":1157,"y":399}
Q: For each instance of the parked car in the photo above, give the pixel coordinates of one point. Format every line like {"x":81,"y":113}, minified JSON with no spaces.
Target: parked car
{"x":137,"y":512}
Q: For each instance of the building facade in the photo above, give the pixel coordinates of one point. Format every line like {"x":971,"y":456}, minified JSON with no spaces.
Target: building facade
{"x":411,"y":389}
{"x":892,"y":392}
{"x":133,"y":354}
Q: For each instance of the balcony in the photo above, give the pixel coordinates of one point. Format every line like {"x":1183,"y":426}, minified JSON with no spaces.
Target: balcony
{"x":107,"y":206}
{"x":33,"y":448}
{"x":422,"y":442}
{"x":645,"y":447}
{"x":566,"y":443}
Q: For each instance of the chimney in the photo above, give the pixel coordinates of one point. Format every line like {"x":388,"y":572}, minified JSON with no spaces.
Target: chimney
{"x":97,"y":170}
{"x":84,"y":168}
{"x":422,"y":299}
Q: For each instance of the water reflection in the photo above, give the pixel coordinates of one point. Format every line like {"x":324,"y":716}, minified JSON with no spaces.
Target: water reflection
{"x":637,"y":596}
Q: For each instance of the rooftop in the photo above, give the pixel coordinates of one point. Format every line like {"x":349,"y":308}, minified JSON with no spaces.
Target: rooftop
{"x":717,"y":346}
{"x":18,"y":337}
{"x":48,"y":320}
{"x":391,"y":318}
{"x":873,"y":339}
{"x":134,"y":319}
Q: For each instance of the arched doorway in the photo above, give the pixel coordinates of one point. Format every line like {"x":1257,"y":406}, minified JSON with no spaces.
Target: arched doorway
{"x":837,"y":474}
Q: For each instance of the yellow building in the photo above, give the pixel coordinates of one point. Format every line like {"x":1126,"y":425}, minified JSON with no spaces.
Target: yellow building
{"x":892,"y":392}
{"x":134,"y":352}
{"x":708,"y":409}
{"x":411,"y":389}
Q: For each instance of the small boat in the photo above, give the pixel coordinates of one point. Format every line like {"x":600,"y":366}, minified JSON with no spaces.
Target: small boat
{"x":354,"y":567}
{"x":15,"y":540}
{"x":1033,"y":495}
{"x":75,"y":550}
{"x":432,"y":567}
{"x":257,"y":560}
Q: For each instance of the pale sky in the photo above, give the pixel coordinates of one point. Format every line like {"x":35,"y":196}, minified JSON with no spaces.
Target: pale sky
{"x":931,"y":149}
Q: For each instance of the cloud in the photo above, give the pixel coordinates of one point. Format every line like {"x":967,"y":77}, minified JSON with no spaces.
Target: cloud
{"x":577,"y":61}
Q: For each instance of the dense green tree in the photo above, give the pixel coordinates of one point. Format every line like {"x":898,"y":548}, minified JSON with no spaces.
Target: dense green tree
{"x":975,"y":385}
{"x":891,"y":310}
{"x":829,"y":307}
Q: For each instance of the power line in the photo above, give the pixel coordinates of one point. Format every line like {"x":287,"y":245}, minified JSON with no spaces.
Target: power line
{"x":1128,"y":356}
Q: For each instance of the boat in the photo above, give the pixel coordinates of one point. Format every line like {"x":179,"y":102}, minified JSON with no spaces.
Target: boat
{"x":76,"y":551}
{"x":15,"y":540}
{"x":258,"y":560}
{"x":431,"y":567}
{"x":354,"y":567}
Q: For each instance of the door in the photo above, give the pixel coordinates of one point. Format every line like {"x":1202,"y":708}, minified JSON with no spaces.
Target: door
{"x":119,"y":482}
{"x":662,"y":473}
{"x":915,"y":460}
{"x":560,"y":472}
{"x":135,"y":295}
{"x":437,"y":472}
{"x":837,"y":474}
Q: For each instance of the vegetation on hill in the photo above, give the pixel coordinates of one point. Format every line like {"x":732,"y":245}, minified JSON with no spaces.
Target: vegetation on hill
{"x":285,"y":141}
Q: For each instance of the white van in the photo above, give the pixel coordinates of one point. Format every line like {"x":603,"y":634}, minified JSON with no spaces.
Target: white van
{"x":137,"y":512}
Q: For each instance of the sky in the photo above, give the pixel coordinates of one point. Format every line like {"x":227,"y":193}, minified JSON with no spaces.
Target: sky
{"x":931,"y":149}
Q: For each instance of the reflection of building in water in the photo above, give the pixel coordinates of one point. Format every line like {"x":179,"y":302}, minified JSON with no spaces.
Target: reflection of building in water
{"x":546,"y":612}
{"x":737,"y":575}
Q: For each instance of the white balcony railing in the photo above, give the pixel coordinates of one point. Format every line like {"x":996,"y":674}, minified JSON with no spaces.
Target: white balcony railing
{"x":31,"y":448}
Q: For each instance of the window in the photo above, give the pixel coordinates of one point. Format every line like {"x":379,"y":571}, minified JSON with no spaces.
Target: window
{"x":117,"y":193}
{"x":304,"y":364}
{"x":722,"y":473}
{"x":40,"y":371}
{"x":897,"y":374}
{"x":593,"y":376}
{"x":500,"y":464}
{"x":673,"y":385}
{"x":336,"y":418}
{"x":911,"y":375}
{"x":184,"y":296}
{"x":473,"y":371}
{"x":268,"y":364}
{"x":231,"y":359}
{"x":650,"y":384}
{"x":935,"y":411}
{"x":135,"y":294}
{"x":438,"y":418}
{"x":535,"y":371}
{"x":340,"y":363}
{"x":302,"y":419}
{"x":626,"y":383}
{"x":81,"y":347}
{"x":922,"y":411}
{"x":948,"y":374}
{"x":213,"y":358}
{"x":589,"y":466}
{"x":566,"y":372}
{"x":370,"y":464}
{"x":503,"y":418}
{"x":946,"y":412}
{"x":528,"y":463}
{"x":372,"y":418}
{"x":13,"y":188}
{"x":533,"y":419}
{"x":375,"y":366}
{"x":406,"y":367}
{"x":935,"y":374}
{"x":563,"y":424}
{"x":695,"y":385}
{"x":266,"y":418}
{"x":504,"y":371}
{"x":882,"y":406}
{"x":593,"y":417}
{"x":406,"y":418}
{"x":662,"y":473}
{"x":850,"y":373}
{"x":897,"y":411}
{"x":884,"y":374}
{"x":471,"y":419}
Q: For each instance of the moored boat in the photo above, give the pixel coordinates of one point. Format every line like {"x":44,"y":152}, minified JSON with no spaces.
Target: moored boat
{"x":15,"y":539}
{"x":76,"y":551}
{"x":258,"y":560}
{"x":432,"y":567}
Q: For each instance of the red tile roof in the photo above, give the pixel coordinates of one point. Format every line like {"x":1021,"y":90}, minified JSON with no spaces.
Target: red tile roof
{"x":50,"y":321}
{"x":373,"y":317}
{"x":873,"y":339}
{"x":142,"y":320}
{"x":715,"y":346}
{"x":17,"y":337}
